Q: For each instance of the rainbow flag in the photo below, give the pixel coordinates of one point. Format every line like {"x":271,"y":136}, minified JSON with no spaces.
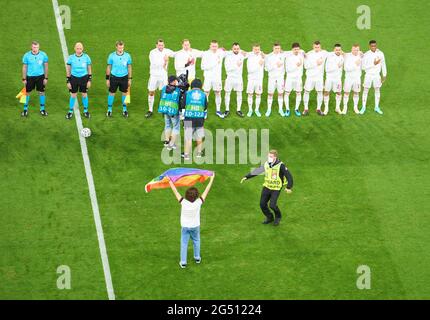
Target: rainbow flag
{"x":181,"y":177}
{"x":22,"y":96}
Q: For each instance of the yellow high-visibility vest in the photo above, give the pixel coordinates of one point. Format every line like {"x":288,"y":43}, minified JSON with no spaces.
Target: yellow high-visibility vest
{"x":272,"y":180}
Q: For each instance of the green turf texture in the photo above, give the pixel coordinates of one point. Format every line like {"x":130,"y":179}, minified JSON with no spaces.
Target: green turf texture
{"x":361,"y":192}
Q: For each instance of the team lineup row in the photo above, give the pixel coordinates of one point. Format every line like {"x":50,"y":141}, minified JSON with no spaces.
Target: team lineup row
{"x":317,"y":63}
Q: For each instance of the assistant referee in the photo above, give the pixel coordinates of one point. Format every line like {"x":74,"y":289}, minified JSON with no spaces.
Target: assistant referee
{"x":276,"y":176}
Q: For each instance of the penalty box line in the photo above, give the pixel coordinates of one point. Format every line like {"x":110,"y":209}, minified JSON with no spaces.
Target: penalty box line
{"x":87,"y":164}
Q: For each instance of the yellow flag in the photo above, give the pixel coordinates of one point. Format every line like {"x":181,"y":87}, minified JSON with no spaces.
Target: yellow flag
{"x":22,"y":95}
{"x":128,"y":97}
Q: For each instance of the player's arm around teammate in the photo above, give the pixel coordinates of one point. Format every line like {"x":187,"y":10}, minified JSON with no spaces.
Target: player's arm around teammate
{"x":333,"y":82}
{"x":352,"y":81}
{"x":79,"y":77}
{"x":294,"y":69}
{"x":35,"y":76}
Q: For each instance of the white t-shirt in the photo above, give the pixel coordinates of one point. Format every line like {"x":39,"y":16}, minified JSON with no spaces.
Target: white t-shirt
{"x":181,"y":59}
{"x":352,"y":68}
{"x":190,"y":213}
{"x":156,"y":59}
{"x":313,"y":70}
{"x":234,"y":65}
{"x":272,"y":67}
{"x":212,"y":64}
{"x":369,"y":66}
{"x":332,"y":69}
{"x":255,"y":69}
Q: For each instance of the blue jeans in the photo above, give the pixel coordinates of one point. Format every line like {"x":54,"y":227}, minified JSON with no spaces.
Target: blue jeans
{"x":186,"y":233}
{"x":172,"y":123}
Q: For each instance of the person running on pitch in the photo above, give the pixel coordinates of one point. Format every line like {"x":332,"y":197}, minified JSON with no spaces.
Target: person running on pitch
{"x":276,"y":176}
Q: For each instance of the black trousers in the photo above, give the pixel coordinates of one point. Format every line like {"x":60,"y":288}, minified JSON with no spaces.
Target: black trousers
{"x":271,"y":197}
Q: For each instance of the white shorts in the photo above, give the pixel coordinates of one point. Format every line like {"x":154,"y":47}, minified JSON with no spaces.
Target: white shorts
{"x":333,"y":84}
{"x":157,"y":82}
{"x":254,"y":86}
{"x":275,"y":84}
{"x":295,"y":84}
{"x":352,"y":84}
{"x":233,"y":84}
{"x":212,"y":84}
{"x":314,"y":83}
{"x":372,"y":80}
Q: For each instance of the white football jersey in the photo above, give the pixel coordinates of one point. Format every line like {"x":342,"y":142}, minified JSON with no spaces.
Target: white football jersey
{"x":255,"y":69}
{"x":156,"y":60}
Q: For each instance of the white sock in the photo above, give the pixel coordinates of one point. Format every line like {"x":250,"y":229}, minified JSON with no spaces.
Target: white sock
{"x":345,"y":102}
{"x":257,"y":102}
{"x":298,"y":99}
{"x":269,"y":103}
{"x":239,"y":101}
{"x":250,"y":101}
{"x":364,"y":97}
{"x":338,"y":101}
{"x":218,"y":101}
{"x":151,"y":103}
{"x":281,"y":102}
{"x":355,"y":98}
{"x":287,"y":100}
{"x":306,"y":100}
{"x":227,"y":101}
{"x":377,"y":97}
{"x":326,"y":101}
{"x":319,"y":100}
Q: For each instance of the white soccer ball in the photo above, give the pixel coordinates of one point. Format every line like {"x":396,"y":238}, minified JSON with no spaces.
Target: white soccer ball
{"x":86,"y":132}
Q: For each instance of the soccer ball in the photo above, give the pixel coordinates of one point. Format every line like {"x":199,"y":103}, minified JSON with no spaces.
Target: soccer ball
{"x":86,"y":132}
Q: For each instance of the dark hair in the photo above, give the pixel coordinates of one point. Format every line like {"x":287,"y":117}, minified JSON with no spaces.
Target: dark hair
{"x":295,"y":45}
{"x":119,"y":43}
{"x":372,"y":42}
{"x":276,"y":44}
{"x":235,"y":43}
{"x":196,"y":83}
{"x":317,"y":42}
{"x":192,"y":194}
{"x":337,"y":45}
{"x":214,"y":41}
{"x":160,"y":41}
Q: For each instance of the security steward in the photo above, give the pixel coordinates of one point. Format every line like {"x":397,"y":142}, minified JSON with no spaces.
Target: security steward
{"x":276,"y":176}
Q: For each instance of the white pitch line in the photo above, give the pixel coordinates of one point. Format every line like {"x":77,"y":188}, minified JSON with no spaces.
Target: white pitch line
{"x":88,"y":172}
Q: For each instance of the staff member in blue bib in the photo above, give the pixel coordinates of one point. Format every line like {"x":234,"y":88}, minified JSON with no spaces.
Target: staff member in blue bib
{"x":276,"y":175}
{"x":118,"y":75}
{"x":169,"y":106}
{"x":79,"y":76}
{"x":35,"y":76}
{"x":195,"y":105}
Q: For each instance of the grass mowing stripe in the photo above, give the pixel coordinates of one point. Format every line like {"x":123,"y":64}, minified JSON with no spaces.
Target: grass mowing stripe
{"x":87,"y":164}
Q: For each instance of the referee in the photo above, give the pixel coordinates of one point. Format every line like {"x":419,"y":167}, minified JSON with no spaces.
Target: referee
{"x":118,"y":75}
{"x":35,"y":76}
{"x":79,"y":76}
{"x":276,"y":176}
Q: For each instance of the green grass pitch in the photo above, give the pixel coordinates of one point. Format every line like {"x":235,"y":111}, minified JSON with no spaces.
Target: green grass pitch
{"x":361,"y":192}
